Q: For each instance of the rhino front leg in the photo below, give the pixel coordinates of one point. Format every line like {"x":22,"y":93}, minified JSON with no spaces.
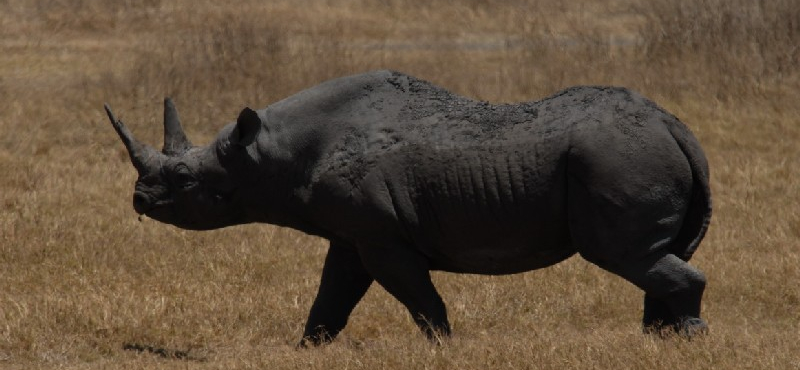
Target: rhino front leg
{"x":405,"y":274}
{"x":344,"y":282}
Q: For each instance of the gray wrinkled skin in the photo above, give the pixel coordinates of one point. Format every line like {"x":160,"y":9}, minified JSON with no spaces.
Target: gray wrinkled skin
{"x":404,"y":177}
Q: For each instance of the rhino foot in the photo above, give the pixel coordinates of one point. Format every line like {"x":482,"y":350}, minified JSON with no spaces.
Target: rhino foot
{"x":692,"y":327}
{"x":686,"y":328}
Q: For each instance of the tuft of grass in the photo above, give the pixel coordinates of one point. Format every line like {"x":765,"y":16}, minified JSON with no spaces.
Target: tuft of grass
{"x":735,"y":47}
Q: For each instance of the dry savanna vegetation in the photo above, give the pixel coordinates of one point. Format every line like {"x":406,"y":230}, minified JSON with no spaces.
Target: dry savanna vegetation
{"x":84,"y":284}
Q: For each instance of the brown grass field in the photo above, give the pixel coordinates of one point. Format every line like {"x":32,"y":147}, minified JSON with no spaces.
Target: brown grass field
{"x":81,"y":277}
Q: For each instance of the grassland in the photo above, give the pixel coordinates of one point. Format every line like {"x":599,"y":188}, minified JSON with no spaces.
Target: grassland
{"x":80,"y":277}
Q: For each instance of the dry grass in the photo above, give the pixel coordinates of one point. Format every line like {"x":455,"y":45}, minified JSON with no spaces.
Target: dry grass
{"x":80,"y":277}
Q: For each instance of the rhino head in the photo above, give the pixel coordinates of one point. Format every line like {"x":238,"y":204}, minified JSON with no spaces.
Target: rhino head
{"x":190,"y":186}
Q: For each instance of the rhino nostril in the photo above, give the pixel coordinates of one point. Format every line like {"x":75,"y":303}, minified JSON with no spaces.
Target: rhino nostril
{"x":141,"y":202}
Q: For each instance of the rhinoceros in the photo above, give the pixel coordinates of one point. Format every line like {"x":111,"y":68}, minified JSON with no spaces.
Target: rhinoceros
{"x":403,"y":177}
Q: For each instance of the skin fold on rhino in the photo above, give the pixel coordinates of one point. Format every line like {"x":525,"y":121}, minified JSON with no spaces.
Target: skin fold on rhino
{"x":403,"y":177}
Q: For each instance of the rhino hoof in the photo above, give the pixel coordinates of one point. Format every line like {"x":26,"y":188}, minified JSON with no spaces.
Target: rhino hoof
{"x":692,"y":327}
{"x":686,"y":328}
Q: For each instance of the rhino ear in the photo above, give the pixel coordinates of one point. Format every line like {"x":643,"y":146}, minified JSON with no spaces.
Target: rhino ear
{"x":247,"y":127}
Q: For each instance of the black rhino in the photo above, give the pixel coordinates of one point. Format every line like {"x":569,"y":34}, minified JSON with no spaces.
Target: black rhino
{"x":403,"y":177}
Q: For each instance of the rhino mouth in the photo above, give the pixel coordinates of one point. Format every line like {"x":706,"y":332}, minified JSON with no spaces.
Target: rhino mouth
{"x":144,"y":204}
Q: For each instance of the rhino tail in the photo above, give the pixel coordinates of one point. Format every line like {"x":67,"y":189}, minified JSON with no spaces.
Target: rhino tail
{"x":698,"y":216}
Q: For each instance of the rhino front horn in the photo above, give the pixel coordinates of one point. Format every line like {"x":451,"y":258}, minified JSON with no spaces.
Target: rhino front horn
{"x":140,"y":153}
{"x":175,"y":141}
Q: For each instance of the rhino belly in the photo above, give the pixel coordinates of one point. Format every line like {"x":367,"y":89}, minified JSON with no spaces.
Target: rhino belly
{"x":495,"y":237}
{"x":499,"y":249}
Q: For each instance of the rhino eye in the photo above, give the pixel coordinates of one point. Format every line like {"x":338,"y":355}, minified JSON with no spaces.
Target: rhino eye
{"x":184,"y":179}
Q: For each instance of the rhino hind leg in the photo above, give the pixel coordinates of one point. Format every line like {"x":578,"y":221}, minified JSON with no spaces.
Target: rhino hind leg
{"x":626,"y":216}
{"x":657,"y":315}
{"x":344,"y":282}
{"x":673,"y":292}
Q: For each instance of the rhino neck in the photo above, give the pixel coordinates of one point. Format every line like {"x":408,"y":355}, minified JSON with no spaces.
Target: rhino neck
{"x":274,"y":186}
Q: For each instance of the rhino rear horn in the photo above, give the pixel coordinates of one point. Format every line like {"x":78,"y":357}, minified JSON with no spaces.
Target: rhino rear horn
{"x":140,"y":153}
{"x":175,"y":141}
